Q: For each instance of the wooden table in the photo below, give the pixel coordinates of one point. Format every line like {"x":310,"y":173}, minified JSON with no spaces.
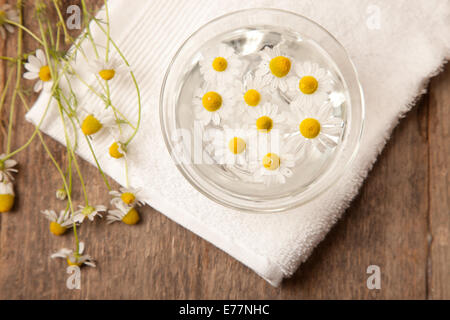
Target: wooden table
{"x":400,"y":221}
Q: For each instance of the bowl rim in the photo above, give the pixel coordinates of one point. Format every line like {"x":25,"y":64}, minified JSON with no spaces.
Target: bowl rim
{"x":192,"y":181}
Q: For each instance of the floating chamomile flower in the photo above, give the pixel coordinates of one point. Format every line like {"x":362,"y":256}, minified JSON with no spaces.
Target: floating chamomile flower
{"x":213,"y":105}
{"x":58,"y":225}
{"x":310,"y":86}
{"x":315,"y":127}
{"x":265,"y":118}
{"x":274,"y":68}
{"x":88,"y":212}
{"x":129,"y":196}
{"x":7,"y":13}
{"x":74,"y":258}
{"x":126,"y":214}
{"x":274,"y":168}
{"x":7,"y":168}
{"x":93,"y":122}
{"x":252,"y":92}
{"x":230,"y":146}
{"x":6,"y":196}
{"x":107,"y":70}
{"x":38,"y":68}
{"x":220,"y":65}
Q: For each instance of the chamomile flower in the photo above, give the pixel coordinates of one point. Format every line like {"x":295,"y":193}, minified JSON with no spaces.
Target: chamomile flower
{"x":61,"y":194}
{"x":230,"y":146}
{"x":213,"y":104}
{"x":93,"y":122}
{"x":7,"y":13}
{"x":6,"y":196}
{"x":265,"y":118}
{"x":88,"y":212}
{"x":58,"y":224}
{"x":275,"y":168}
{"x":274,"y":68}
{"x":310,"y":86}
{"x":126,"y":214}
{"x":252,"y":92}
{"x":117,"y":150}
{"x":38,"y":68}
{"x":316,"y":127}
{"x":129,"y":196}
{"x":7,"y":168}
{"x":220,"y":65}
{"x":74,"y":258}
{"x":107,"y":70}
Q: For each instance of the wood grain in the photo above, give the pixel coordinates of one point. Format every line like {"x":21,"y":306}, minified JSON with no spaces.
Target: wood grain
{"x":439,"y":192}
{"x":403,"y":205}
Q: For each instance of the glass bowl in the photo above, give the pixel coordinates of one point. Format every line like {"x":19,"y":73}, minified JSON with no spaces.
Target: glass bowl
{"x":249,"y":31}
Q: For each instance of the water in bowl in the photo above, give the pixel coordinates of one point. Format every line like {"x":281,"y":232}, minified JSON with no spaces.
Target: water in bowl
{"x":247,"y":43}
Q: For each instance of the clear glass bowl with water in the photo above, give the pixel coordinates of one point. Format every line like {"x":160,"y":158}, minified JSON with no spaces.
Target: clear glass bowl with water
{"x":248,"y":32}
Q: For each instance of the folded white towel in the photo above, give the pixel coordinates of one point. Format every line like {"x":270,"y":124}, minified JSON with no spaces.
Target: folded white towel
{"x":395,"y":45}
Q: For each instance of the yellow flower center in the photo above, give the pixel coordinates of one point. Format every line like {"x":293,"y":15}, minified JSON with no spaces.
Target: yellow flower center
{"x":264,"y":123}
{"x":212,"y":101}
{"x":132,"y":217}
{"x":271,"y":161}
{"x":308,"y":84}
{"x":70,"y":263}
{"x":6,"y":202}
{"x":107,"y":74}
{"x":90,"y":125}
{"x":45,"y":74}
{"x":236,"y":145}
{"x":114,"y":151}
{"x":220,"y":64}
{"x":56,"y":228}
{"x":2,"y":17}
{"x":128,"y":197}
{"x":252,"y":97}
{"x":309,"y":128}
{"x":280,"y":66}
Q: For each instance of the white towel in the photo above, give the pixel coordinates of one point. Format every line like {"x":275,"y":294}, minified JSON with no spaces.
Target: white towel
{"x":395,"y":45}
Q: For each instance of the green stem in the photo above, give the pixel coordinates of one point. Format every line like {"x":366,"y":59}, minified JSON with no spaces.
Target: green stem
{"x":21,"y":27}
{"x":88,"y":28}
{"x":18,"y":78}
{"x":134,"y":81}
{"x":67,"y":37}
{"x":5,"y":89}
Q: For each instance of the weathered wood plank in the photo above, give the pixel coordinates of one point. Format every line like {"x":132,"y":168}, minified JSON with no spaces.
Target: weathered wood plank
{"x":439,"y":208}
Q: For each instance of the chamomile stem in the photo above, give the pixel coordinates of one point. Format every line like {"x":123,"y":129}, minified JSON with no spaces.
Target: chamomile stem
{"x":134,"y":81}
{"x":72,"y":153}
{"x":98,"y":164}
{"x":67,"y":37}
{"x":108,"y":30}
{"x":126,"y":173}
{"x":58,"y":168}
{"x":18,"y":78}
{"x":104,"y":99}
{"x":8,"y":59}
{"x":88,"y":28}
{"x":5,"y":89}
{"x":24,"y":146}
{"x":58,"y":36}
{"x":108,"y":96}
{"x":21,"y":27}
{"x":50,"y":33}
{"x":57,"y":98}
